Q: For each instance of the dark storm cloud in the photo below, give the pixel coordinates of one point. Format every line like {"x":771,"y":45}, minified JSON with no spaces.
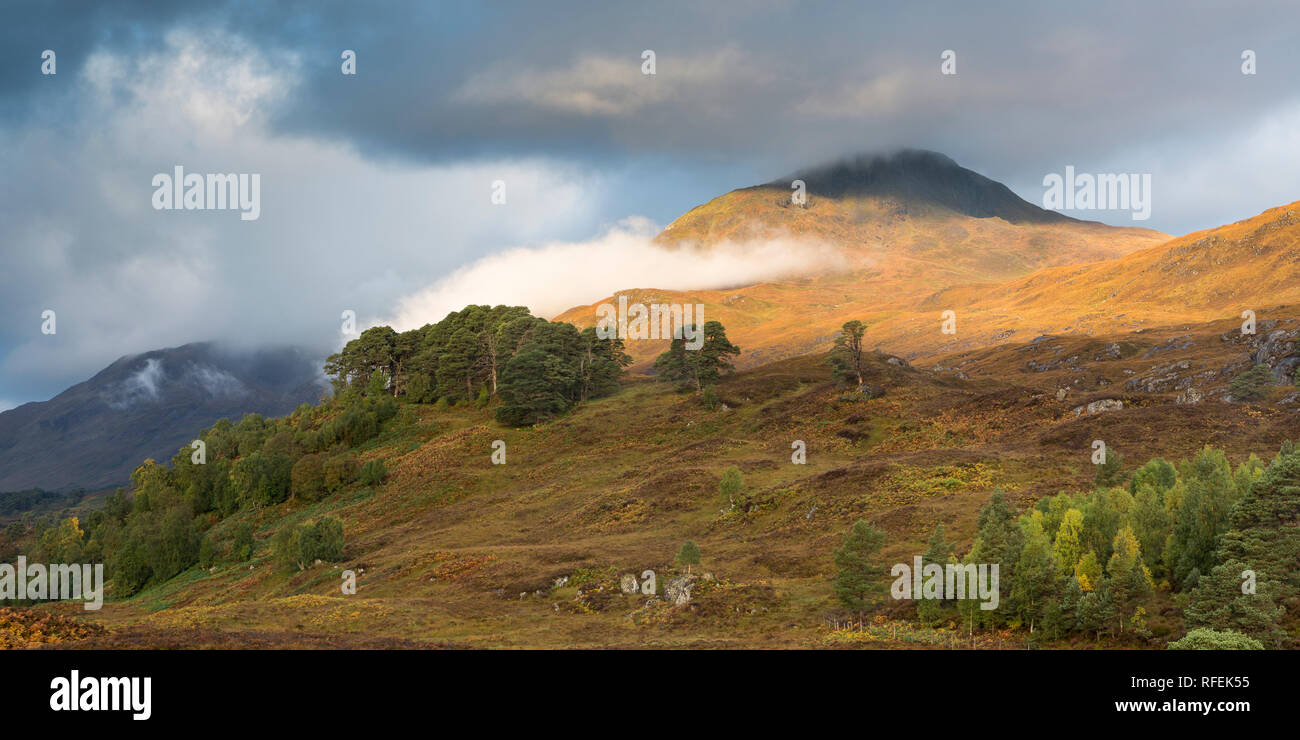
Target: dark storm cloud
{"x":776,"y":82}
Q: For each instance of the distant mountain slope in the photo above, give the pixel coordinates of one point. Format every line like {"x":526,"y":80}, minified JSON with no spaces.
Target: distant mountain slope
{"x":909,"y":224}
{"x":1253,"y":264}
{"x":95,"y":433}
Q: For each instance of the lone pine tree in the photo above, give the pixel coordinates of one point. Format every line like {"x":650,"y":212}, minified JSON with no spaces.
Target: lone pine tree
{"x":845,"y":358}
{"x":859,"y":579}
{"x":696,"y":368}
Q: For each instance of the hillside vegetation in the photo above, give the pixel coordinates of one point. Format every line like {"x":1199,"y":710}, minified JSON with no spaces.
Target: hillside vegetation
{"x":450,"y":549}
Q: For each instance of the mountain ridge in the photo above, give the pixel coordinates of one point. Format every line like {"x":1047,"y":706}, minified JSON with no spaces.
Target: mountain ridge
{"x":94,"y":433}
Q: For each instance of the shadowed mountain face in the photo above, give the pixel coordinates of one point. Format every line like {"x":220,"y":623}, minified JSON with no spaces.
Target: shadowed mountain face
{"x":150,"y":405}
{"x":919,"y":176}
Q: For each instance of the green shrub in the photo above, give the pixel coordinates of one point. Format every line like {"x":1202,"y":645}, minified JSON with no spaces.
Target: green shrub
{"x":308,"y":477}
{"x":284,"y":548}
{"x":1252,"y":384}
{"x":373,"y":472}
{"x":207,"y":553}
{"x":710,"y":398}
{"x":297,"y":546}
{"x":328,"y":539}
{"x":354,"y":426}
{"x":1208,"y":639}
{"x":309,"y":440}
{"x":731,"y":487}
{"x":385,"y":409}
{"x":378,"y":384}
{"x":175,"y":547}
{"x":339,"y":471}
{"x":241,"y":546}
{"x":689,"y":555}
{"x":1111,"y":470}
{"x":130,"y":566}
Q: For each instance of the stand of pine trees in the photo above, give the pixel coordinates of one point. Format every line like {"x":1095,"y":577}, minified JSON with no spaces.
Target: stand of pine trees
{"x":537,"y":368}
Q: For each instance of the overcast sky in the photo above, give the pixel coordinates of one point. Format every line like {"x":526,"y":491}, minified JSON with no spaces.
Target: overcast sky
{"x":376,"y":188}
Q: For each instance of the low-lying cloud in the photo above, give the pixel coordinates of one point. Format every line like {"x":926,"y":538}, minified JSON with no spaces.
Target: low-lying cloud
{"x":215,"y":381}
{"x":551,"y":278}
{"x":142,"y":385}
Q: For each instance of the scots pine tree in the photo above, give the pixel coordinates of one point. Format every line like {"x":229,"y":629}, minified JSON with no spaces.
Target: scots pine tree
{"x":1037,"y":584}
{"x":845,"y":358}
{"x":859,"y":579}
{"x":696,"y":368}
{"x":940,"y":552}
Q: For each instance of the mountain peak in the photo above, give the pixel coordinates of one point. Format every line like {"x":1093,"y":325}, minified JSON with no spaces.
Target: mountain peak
{"x":910,"y":203}
{"x":919,"y":175}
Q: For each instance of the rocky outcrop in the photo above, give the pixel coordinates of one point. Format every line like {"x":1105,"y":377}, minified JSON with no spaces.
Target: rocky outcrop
{"x":1169,"y":377}
{"x":1159,"y":378}
{"x":1175,"y":343}
{"x":628,"y":584}
{"x":892,"y":359}
{"x":678,"y":590}
{"x":1097,"y":407}
{"x":1111,"y":351}
{"x":1269,"y":345}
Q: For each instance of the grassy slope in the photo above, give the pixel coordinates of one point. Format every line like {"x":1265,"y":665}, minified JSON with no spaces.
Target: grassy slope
{"x":450,"y":542}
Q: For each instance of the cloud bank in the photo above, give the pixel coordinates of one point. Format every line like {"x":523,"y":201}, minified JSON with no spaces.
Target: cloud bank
{"x":554,"y":277}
